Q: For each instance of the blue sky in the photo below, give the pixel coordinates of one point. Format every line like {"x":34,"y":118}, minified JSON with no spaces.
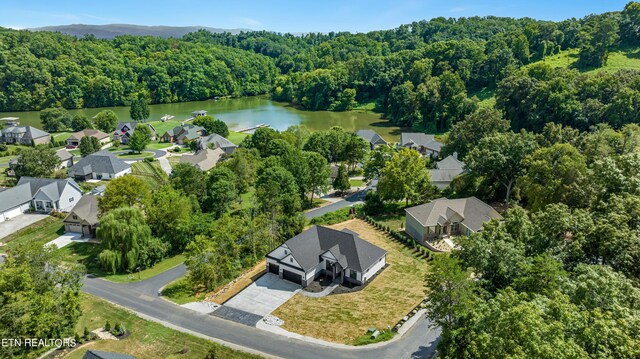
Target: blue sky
{"x":285,"y":16}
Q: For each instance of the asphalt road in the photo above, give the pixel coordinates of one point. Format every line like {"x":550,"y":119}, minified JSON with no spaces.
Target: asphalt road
{"x":142,"y":297}
{"x":355,"y":198}
{"x":156,"y":154}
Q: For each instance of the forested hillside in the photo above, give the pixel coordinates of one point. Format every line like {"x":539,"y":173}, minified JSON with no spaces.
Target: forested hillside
{"x":420,"y":74}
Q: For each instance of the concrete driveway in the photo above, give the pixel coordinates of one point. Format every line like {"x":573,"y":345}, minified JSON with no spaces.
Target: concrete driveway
{"x":264,"y":295}
{"x":17,"y":223}
{"x":67,"y":239}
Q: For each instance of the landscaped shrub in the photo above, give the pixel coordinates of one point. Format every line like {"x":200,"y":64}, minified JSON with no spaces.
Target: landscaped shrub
{"x":149,"y":159}
{"x":86,"y":333}
{"x":107,"y":326}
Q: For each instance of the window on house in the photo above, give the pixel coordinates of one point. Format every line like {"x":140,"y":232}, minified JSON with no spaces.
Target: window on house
{"x":75,"y":217}
{"x":455,"y":226}
{"x":291,"y":260}
{"x":353,"y":274}
{"x":286,"y":251}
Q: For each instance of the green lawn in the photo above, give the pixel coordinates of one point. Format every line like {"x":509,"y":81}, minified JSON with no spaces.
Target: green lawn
{"x":40,"y":232}
{"x":61,"y":136}
{"x":181,"y":292}
{"x":87,"y":255}
{"x":159,"y":145}
{"x":620,"y":58}
{"x":162,"y":127}
{"x":236,"y":137}
{"x":133,"y":154}
{"x":75,"y":152}
{"x":160,"y":267}
{"x":150,"y":172}
{"x":148,"y":340}
{"x":356,"y":182}
{"x":6,"y":159}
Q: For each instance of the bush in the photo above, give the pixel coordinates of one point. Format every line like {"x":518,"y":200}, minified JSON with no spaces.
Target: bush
{"x":107,"y":326}
{"x":149,"y":159}
{"x":3,"y":147}
{"x":86,"y":333}
{"x":334,"y":217}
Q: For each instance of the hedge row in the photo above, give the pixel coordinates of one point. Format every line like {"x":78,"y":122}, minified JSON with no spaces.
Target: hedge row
{"x":408,"y":241}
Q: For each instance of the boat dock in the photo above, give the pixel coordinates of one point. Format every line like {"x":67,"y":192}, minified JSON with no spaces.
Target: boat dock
{"x":253,"y":128}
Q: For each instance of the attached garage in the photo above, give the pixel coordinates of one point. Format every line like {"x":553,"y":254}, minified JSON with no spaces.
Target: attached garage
{"x":292,"y":277}
{"x":11,"y":213}
{"x":72,"y":227}
{"x":274,"y":268}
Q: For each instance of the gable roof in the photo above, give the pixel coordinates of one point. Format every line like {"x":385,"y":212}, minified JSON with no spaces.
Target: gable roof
{"x":372,"y":137}
{"x":29,"y":132}
{"x":51,"y":187}
{"x":349,"y":249}
{"x":216,"y":139}
{"x":131,"y":125}
{"x":190,"y":132}
{"x":204,"y":159}
{"x":102,"y":162}
{"x":63,"y":155}
{"x":15,"y":196}
{"x":419,"y":139}
{"x":33,"y":133}
{"x":86,"y":209}
{"x":97,"y":354}
{"x":88,"y":132}
{"x":471,"y":212}
{"x":450,"y":163}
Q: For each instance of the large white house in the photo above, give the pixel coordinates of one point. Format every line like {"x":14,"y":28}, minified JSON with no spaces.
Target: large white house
{"x":340,"y":255}
{"x":101,"y":165}
{"x":40,"y":194}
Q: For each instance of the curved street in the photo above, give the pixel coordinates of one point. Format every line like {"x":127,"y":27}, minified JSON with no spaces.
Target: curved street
{"x":142,"y":298}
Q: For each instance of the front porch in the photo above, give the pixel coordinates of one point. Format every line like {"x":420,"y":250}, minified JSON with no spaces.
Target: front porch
{"x":44,"y":206}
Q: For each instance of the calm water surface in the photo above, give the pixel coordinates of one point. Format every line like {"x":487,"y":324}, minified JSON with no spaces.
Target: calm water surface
{"x":246,"y":112}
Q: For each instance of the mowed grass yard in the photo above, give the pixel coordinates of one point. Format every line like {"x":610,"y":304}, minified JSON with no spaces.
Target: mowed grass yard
{"x":147,"y":340}
{"x":41,"y":232}
{"x":383,"y":302}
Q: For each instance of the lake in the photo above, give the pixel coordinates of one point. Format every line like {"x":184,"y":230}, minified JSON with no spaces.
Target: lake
{"x":246,"y":112}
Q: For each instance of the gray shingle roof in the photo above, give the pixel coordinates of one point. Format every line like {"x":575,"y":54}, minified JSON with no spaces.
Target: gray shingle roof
{"x":51,"y":187}
{"x":15,"y":196}
{"x":63,"y":155}
{"x":372,"y":137}
{"x":190,"y":132}
{"x":100,"y":162}
{"x":86,"y":209}
{"x":204,"y":159}
{"x":97,"y":354}
{"x":450,"y":163}
{"x":471,"y":212}
{"x":216,"y":139}
{"x":350,"y":250}
{"x":29,"y":132}
{"x":420,"y":139}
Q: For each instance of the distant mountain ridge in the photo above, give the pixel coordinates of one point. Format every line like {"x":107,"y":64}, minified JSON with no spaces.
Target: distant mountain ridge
{"x":112,"y":30}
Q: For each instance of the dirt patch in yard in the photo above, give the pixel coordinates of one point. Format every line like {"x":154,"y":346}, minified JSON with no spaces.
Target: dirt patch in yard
{"x":385,"y":300}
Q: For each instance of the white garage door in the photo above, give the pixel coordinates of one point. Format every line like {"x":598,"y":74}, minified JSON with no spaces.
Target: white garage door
{"x":12,"y":213}
{"x":75,"y":228}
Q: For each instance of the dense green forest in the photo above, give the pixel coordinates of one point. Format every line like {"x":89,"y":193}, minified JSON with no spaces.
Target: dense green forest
{"x":421,"y":74}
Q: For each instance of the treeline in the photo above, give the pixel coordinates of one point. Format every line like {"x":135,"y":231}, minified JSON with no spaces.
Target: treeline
{"x":419,"y":74}
{"x":40,"y":70}
{"x":540,"y":94}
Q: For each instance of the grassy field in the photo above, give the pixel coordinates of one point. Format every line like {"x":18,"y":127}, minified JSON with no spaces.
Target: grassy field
{"x":236,"y":137}
{"x":148,"y":340}
{"x":181,"y":292}
{"x":356,"y":182}
{"x":61,"y":136}
{"x":160,"y":267}
{"x":621,"y":58}
{"x":150,"y":172}
{"x":344,"y":318}
{"x":40,"y":232}
{"x":159,"y":145}
{"x":132,"y":154}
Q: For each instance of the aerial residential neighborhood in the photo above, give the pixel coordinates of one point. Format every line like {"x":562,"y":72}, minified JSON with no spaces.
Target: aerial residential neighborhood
{"x":406,"y":179}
